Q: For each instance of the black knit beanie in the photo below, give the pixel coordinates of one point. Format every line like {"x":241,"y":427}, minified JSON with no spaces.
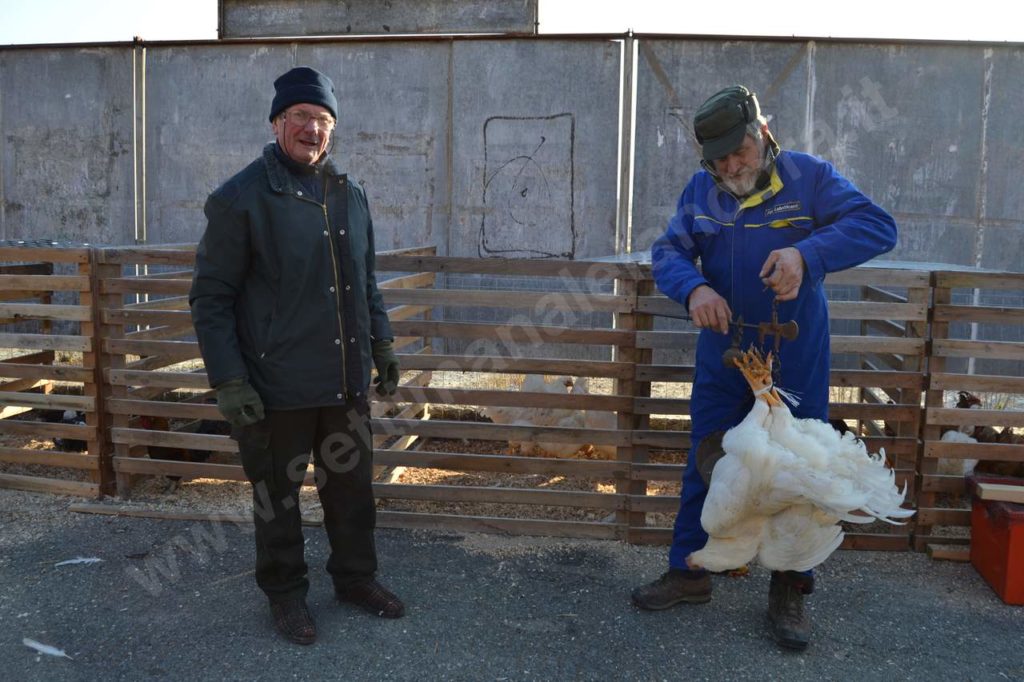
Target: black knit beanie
{"x":303,"y":85}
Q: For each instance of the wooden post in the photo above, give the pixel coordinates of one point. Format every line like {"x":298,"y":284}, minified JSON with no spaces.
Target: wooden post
{"x":99,"y":441}
{"x":103,"y":361}
{"x":631,"y":421}
{"x":908,"y":396}
{"x":46,"y":298}
{"x":912,"y":396}
{"x":861,"y":362}
{"x":933,"y":398}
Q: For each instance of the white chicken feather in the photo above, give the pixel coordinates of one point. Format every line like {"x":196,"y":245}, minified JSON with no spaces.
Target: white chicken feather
{"x":540,"y":416}
{"x":555,"y":417}
{"x":783,"y":485}
{"x":956,"y":467}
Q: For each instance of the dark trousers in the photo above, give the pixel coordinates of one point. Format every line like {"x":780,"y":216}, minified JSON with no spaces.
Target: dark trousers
{"x":275,"y":453}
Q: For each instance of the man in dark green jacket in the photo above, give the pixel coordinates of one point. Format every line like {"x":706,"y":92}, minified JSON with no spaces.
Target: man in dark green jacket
{"x":289,"y":320}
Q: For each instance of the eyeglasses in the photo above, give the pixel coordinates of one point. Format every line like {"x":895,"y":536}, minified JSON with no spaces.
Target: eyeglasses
{"x":300,"y":118}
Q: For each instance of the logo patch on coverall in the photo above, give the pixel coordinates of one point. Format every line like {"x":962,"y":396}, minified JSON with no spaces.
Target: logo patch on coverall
{"x":784,"y":208}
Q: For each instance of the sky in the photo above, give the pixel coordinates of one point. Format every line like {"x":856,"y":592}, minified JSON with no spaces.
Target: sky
{"x":64,"y":21}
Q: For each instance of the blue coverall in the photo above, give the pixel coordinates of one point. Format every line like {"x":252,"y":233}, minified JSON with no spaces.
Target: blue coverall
{"x":808,"y":205}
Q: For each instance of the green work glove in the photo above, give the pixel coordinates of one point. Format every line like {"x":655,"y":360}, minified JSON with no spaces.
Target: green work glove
{"x":387,"y":367}
{"x":239,"y":402}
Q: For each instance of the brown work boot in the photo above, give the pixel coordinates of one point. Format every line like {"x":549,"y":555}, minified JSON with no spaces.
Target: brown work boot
{"x":788,"y":621}
{"x":374,"y":597}
{"x":675,"y":586}
{"x":293,"y":621}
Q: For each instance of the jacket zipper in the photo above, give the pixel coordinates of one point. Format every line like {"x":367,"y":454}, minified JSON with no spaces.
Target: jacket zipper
{"x":337,"y":294}
{"x":736,"y":232}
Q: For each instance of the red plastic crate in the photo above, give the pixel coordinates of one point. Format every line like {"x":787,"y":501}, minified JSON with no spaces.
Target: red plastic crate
{"x":997,"y":545}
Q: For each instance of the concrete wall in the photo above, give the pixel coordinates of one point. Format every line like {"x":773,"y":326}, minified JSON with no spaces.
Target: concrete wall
{"x":391,"y":135}
{"x":522,"y":149}
{"x":507,"y":147}
{"x":927,"y":130}
{"x":66,"y":155}
{"x":673,"y":78}
{"x":534,"y":149}
{"x":206,"y":119}
{"x":265,"y":18}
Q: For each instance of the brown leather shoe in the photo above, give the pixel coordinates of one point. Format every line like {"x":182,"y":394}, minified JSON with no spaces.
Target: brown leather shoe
{"x":373,"y":597}
{"x":673,"y":587}
{"x":293,"y":621}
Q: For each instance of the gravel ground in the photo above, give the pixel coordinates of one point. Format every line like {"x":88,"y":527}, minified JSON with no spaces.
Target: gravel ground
{"x":176,"y":600}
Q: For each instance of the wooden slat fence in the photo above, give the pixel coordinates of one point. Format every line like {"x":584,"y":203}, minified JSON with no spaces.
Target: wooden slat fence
{"x":157,"y":394}
{"x":882,"y":376}
{"x":531,"y":320}
{"x":48,"y":370}
{"x":163,"y":417}
{"x":977,"y":346}
{"x":476,"y":337}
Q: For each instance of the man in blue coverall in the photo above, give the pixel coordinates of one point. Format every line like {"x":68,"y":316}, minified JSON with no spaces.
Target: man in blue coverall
{"x":767,"y":225}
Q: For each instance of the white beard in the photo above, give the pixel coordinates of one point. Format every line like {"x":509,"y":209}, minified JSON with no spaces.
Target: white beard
{"x":743,"y":186}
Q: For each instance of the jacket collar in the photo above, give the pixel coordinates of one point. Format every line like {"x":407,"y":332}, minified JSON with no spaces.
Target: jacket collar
{"x":769,"y":184}
{"x":280,"y":179}
{"x":775,"y":186}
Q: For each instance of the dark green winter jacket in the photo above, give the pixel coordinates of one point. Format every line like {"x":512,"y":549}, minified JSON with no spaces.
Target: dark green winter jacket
{"x":284,"y":291}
